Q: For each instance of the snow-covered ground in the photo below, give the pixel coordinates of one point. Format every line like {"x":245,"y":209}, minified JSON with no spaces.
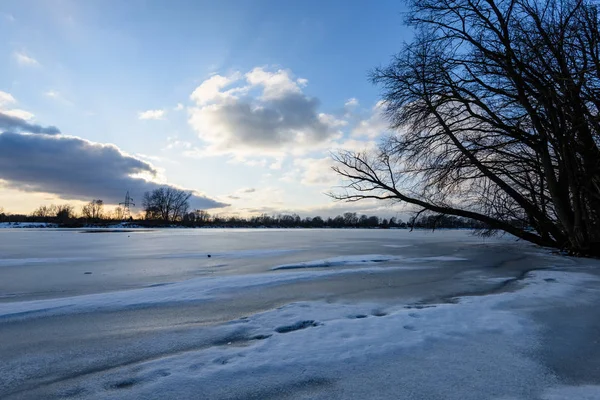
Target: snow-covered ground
{"x":299,"y":314}
{"x":15,"y":225}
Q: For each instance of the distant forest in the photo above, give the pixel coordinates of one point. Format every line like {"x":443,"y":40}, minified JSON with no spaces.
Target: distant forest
{"x":64,"y":216}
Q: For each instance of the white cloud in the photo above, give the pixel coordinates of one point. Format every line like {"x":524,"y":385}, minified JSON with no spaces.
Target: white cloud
{"x":351,"y":102}
{"x":316,"y":171}
{"x":6,"y":98}
{"x":302,"y":82}
{"x":259,"y":113}
{"x":24,"y":59}
{"x":275,"y":84}
{"x":178,"y":107}
{"x":356,"y":145}
{"x":211,"y":89}
{"x":152,"y":114}
{"x":18,"y":113}
{"x":174,"y":143}
{"x":332,"y":120}
{"x":373,"y":126}
{"x":55,"y":95}
{"x":277,"y":164}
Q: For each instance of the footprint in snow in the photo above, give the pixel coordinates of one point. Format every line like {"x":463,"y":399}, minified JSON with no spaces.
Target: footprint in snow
{"x":296,"y":326}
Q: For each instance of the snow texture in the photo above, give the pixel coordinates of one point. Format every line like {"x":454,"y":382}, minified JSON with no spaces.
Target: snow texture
{"x":311,"y":335}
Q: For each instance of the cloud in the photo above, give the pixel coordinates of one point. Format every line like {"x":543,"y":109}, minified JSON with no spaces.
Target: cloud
{"x":6,"y":99}
{"x":316,"y":171}
{"x":15,"y":124}
{"x":152,"y":114}
{"x":24,"y":59}
{"x":178,"y":107}
{"x":259,"y":113}
{"x":53,"y":94}
{"x":351,"y":102}
{"x":38,"y":159}
{"x":212,"y":89}
{"x":18,"y":113}
{"x":242,"y":194}
{"x":374,"y":125}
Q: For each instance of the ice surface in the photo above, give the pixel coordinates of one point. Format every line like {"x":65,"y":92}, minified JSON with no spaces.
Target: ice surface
{"x":235,"y":334}
{"x":362,"y":260}
{"x":197,"y":289}
{"x":12,"y":262}
{"x":340,"y":261}
{"x":314,"y":336}
{"x":584,"y":392}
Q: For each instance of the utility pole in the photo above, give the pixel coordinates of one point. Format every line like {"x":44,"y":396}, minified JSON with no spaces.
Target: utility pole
{"x":126,"y":205}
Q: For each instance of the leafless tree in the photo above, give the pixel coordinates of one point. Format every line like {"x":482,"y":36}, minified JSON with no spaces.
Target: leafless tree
{"x":64,"y":212}
{"x":118,"y":213}
{"x":166,"y":203}
{"x":495,"y":105}
{"x":93,"y":210}
{"x":45,"y":211}
{"x":202,"y":216}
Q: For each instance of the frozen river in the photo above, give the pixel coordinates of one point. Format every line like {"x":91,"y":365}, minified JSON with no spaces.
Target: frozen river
{"x":278,"y":314}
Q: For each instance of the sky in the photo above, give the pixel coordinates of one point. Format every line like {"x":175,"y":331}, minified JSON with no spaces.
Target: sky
{"x":240,"y":102}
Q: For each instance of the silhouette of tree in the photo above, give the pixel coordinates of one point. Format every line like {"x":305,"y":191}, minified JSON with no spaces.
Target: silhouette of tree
{"x":64,"y":212}
{"x":497,"y":108}
{"x":93,"y":210}
{"x":167,"y":204}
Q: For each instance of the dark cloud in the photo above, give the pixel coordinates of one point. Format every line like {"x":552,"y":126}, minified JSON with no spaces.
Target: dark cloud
{"x":15,"y":124}
{"x":74,"y":168}
{"x":249,"y":190}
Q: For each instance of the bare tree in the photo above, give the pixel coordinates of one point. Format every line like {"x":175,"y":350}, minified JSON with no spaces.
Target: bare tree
{"x":166,"y":203}
{"x":45,"y":211}
{"x":496,"y":104}
{"x":93,"y":210}
{"x":118,"y":213}
{"x":202,"y":216}
{"x":64,"y":212}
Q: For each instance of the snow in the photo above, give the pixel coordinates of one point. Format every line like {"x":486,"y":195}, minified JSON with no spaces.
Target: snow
{"x":6,"y":225}
{"x":584,"y":392}
{"x":176,"y":338}
{"x":306,"y":335}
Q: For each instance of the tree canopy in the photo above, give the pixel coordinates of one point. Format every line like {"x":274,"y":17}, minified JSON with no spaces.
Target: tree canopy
{"x":495,"y":108}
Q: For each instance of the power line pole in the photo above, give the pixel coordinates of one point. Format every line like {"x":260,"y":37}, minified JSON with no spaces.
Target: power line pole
{"x":126,"y":206}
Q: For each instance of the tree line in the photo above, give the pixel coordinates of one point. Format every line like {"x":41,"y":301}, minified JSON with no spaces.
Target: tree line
{"x":168,"y":206}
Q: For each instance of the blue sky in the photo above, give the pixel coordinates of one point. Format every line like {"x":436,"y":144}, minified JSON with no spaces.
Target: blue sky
{"x":240,"y":101}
